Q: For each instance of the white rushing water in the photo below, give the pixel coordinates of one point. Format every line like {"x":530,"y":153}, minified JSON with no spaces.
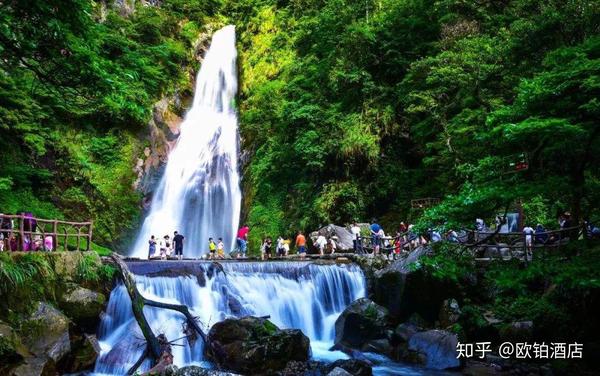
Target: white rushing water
{"x":295,"y":294}
{"x":199,"y":194}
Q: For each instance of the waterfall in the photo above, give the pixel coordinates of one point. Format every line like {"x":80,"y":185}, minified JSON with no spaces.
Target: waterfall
{"x":297,"y":295}
{"x":199,"y":194}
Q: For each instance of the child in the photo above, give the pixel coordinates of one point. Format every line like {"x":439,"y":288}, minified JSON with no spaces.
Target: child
{"x":280,"y":249}
{"x":221,"y":249}
{"x":165,"y":247}
{"x":286,"y":247}
{"x":263,"y":245}
{"x":212,"y":247}
{"x":331,"y":246}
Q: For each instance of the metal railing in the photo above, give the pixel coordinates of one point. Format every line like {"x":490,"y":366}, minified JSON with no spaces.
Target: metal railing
{"x":474,"y":239}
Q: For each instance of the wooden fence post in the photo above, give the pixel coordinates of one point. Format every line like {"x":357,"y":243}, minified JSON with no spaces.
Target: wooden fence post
{"x":55,"y":235}
{"x":21,"y":233}
{"x":66,"y":239}
{"x":89,"y":239}
{"x":78,"y":236}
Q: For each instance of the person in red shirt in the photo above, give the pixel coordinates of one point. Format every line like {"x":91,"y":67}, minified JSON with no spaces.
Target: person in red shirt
{"x":301,"y":244}
{"x":242,"y":240}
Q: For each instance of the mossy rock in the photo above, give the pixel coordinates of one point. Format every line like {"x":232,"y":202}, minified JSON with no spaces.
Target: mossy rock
{"x":46,"y":333}
{"x":85,"y":351}
{"x":67,"y":264}
{"x":12,"y":351}
{"x":82,"y":305}
{"x":361,"y":322}
{"x":253,"y":345}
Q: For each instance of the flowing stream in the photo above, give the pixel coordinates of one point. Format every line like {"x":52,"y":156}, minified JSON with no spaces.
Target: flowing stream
{"x":199,"y":194}
{"x":294,"y":294}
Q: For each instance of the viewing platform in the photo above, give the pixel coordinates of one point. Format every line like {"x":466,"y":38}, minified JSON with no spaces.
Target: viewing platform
{"x":24,"y":232}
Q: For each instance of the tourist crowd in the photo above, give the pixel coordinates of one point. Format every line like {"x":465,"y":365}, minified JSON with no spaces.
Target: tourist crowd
{"x":10,"y":237}
{"x":366,"y":238}
{"x":166,"y":247}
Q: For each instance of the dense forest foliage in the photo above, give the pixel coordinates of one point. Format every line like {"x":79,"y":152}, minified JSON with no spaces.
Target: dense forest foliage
{"x":78,"y":81}
{"x":353,"y":108}
{"x":348,"y":108}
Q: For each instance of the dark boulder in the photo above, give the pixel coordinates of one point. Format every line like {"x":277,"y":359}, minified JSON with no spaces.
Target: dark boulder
{"x":449,"y":313}
{"x":380,"y":346}
{"x":46,"y":333}
{"x":196,"y":371}
{"x":519,"y":331}
{"x":254,"y":346}
{"x":12,"y":351}
{"x":338,"y":371}
{"x":355,"y":367}
{"x":45,"y":336}
{"x":436,"y":348}
{"x":361,"y":322}
{"x":404,"y":289}
{"x":404,"y":331}
{"x":84,"y":352}
{"x":296,"y":368}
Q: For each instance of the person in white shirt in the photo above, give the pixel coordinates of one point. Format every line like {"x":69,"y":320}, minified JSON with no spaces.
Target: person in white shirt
{"x":355,"y":230}
{"x":280,"y":248}
{"x":320,"y":243}
{"x":528,"y":232}
{"x":165,"y":247}
{"x":332,"y":245}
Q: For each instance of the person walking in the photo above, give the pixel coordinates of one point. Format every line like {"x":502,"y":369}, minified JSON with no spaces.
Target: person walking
{"x":355,"y":231}
{"x":151,"y":247}
{"x":301,"y":244}
{"x":178,"y":241}
{"x":242,"y":241}
{"x":528,"y":231}
{"x":541,"y":236}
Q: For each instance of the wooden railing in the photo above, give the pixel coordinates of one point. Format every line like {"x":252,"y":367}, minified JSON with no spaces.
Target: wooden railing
{"x":26,"y":233}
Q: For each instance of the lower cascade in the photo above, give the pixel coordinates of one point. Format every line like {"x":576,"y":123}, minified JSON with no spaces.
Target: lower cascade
{"x":298,"y":295}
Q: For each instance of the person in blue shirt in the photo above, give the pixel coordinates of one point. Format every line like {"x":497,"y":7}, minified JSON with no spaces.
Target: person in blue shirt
{"x":375,"y":237}
{"x":541,"y":237}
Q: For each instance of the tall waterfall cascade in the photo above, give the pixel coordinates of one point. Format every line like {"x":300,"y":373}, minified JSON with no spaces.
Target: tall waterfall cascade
{"x":199,"y":194}
{"x":294,"y":294}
